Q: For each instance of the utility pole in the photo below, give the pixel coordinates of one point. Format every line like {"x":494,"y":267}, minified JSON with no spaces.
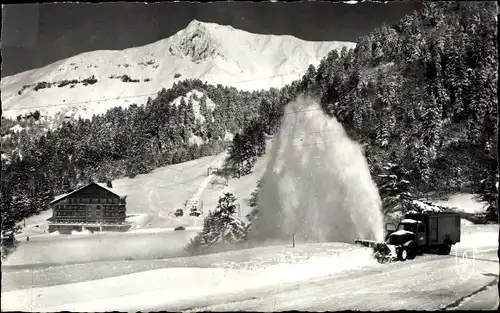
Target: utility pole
{"x":293,"y":240}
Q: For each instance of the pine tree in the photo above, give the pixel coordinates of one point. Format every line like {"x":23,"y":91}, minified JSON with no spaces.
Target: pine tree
{"x":235,"y":157}
{"x":189,"y":117}
{"x":309,"y":78}
{"x":394,"y":186}
{"x":431,"y":119}
{"x":203,"y":107}
{"x":253,"y":202}
{"x":181,"y":112}
{"x":488,"y":193}
{"x":221,"y":228}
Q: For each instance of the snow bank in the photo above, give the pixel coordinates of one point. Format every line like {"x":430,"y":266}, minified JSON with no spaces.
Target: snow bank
{"x":173,"y":287}
{"x":321,"y":266}
{"x":483,"y":239}
{"x":418,"y":206}
{"x":464,"y":202}
{"x":139,"y":220}
{"x":464,"y":222}
{"x":84,"y":232}
{"x":162,"y":230}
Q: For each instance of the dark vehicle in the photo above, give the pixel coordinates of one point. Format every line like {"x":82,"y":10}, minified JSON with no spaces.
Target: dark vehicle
{"x":418,"y":233}
{"x":179,"y":212}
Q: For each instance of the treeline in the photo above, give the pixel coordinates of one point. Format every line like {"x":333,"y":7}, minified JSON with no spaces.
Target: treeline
{"x":420,"y":96}
{"x":246,"y":148}
{"x":124,"y":142}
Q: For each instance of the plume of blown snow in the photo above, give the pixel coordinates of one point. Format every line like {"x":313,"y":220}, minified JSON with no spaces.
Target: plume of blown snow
{"x":317,"y":184}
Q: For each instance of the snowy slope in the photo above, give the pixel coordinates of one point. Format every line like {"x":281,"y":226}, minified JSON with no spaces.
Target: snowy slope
{"x":152,"y":198}
{"x":194,"y":96}
{"x":213,"y":53}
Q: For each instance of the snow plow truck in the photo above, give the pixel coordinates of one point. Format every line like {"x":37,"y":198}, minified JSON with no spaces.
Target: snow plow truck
{"x":417,"y":233}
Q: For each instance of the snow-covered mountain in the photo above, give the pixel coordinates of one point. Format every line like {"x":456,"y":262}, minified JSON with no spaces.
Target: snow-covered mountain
{"x":93,"y":82}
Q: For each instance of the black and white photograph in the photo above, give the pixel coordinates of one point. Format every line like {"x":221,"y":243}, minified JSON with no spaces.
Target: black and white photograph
{"x":233,"y":156}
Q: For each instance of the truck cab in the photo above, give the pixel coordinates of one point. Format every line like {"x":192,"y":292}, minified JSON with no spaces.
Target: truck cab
{"x":408,"y":229}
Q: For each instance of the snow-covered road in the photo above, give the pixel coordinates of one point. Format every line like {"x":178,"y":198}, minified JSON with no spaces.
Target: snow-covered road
{"x":313,"y":277}
{"x":428,"y":283}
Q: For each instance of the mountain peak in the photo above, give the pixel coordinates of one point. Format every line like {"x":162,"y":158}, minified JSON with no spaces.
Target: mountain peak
{"x":194,"y":24}
{"x":197,"y":41}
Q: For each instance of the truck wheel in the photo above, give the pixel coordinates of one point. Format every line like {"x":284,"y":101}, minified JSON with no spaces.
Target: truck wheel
{"x":411,"y":248}
{"x":403,"y":254}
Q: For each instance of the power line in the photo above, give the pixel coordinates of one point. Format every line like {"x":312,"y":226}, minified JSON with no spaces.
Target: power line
{"x":309,"y":133}
{"x":83,"y":102}
{"x":174,"y":189}
{"x":182,"y":183}
{"x":326,"y":143}
{"x":142,"y":95}
{"x":299,"y":111}
{"x":260,"y":78}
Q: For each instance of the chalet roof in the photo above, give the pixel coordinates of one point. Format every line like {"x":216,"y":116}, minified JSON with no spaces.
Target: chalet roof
{"x":102,"y":185}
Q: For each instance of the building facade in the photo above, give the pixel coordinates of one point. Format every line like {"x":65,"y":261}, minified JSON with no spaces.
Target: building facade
{"x":95,"y":207}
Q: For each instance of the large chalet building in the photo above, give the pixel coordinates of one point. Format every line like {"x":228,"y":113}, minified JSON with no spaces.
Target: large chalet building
{"x":94,"y":207}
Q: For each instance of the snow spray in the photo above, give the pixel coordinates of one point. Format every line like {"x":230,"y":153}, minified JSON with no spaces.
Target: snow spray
{"x":317,"y":185}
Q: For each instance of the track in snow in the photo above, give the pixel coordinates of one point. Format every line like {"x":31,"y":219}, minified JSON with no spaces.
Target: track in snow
{"x":427,"y":283}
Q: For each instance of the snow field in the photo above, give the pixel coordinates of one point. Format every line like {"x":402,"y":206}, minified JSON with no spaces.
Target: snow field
{"x":149,"y":289}
{"x":79,"y":248}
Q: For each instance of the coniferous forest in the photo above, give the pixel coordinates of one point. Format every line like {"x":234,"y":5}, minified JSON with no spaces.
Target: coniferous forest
{"x":420,"y":95}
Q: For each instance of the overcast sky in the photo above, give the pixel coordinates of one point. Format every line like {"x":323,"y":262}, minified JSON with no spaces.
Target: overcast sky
{"x":34,"y":35}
